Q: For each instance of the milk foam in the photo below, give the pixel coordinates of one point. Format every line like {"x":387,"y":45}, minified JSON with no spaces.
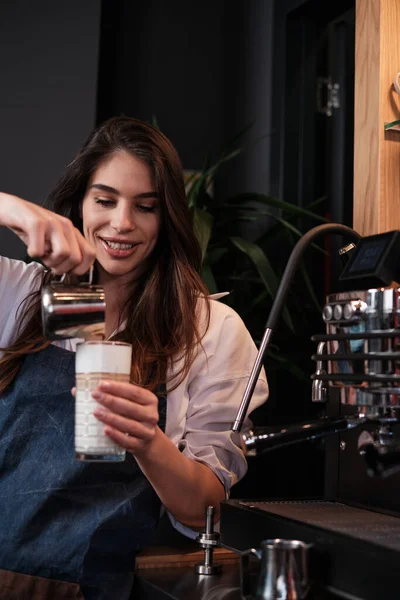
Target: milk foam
{"x":103,"y":357}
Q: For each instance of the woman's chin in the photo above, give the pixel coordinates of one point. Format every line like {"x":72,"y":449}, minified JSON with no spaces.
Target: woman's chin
{"x":116,"y":270}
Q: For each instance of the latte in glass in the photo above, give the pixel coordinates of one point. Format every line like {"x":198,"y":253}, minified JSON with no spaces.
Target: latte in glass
{"x":96,"y":361}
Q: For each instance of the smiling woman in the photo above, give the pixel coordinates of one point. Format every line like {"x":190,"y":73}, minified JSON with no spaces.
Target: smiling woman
{"x":75,"y":528}
{"x":121,"y":216}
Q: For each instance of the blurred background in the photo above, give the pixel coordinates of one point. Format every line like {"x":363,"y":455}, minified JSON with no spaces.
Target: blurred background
{"x":258,"y":98}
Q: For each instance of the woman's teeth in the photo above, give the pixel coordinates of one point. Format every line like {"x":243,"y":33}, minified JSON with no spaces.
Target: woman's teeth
{"x":119,"y":245}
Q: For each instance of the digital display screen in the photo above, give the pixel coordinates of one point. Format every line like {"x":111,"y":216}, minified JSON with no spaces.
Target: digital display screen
{"x":368,"y":256}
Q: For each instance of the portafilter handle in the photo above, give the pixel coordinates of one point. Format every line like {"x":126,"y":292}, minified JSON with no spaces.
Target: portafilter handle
{"x":279,"y":303}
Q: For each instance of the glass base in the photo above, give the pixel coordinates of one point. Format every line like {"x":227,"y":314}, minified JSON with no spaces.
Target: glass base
{"x":89,"y":456}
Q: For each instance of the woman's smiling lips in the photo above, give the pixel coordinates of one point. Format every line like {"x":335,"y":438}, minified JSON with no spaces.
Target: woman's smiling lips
{"x":118,"y":248}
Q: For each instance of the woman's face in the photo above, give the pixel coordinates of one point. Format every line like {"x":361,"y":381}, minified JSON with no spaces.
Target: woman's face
{"x":121,"y":216}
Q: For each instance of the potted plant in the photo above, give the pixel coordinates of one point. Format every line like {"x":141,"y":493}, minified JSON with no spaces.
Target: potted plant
{"x":252,"y":269}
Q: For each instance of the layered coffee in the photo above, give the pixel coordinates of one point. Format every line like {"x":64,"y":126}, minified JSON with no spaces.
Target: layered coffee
{"x":96,"y":361}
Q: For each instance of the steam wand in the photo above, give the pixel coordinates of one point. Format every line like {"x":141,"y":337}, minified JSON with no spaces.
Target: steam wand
{"x":278,"y":305}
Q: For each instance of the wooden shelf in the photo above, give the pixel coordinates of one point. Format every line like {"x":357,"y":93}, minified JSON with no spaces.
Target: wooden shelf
{"x":157,"y":557}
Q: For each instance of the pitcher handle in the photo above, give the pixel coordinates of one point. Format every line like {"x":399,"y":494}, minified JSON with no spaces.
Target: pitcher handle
{"x":245,"y":587}
{"x":89,"y":282}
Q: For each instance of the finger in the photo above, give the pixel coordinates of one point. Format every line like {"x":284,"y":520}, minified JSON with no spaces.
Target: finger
{"x":85,"y":253}
{"x":143,"y":431}
{"x":59,"y":248}
{"x":64,"y":267}
{"x":130,"y":443}
{"x":77,"y":262}
{"x":127,"y":390}
{"x":65,"y":251}
{"x":75,"y":254}
{"x":36,"y":240}
{"x":88,"y":254}
{"x":127,"y":408}
{"x":73,"y":391}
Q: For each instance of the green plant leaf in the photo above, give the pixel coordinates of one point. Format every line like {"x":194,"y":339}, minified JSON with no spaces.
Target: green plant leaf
{"x":288,"y":364}
{"x":189,"y":178}
{"x":199,"y":184}
{"x":208,"y":278}
{"x":215,"y":255}
{"x":310,"y":286}
{"x":258,"y":299}
{"x":261,"y":262}
{"x":298,"y":233}
{"x":216,"y":221}
{"x":306,"y":278}
{"x":240,"y":134}
{"x":270,"y":201}
{"x":265,"y":271}
{"x":316,"y":202}
{"x":276,"y":227}
{"x":223,"y":159}
{"x":237,"y":216}
{"x":202,"y":222}
{"x":198,"y":190}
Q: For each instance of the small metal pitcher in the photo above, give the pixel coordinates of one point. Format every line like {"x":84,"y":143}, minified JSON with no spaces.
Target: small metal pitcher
{"x":73,"y":311}
{"x":283,"y":573}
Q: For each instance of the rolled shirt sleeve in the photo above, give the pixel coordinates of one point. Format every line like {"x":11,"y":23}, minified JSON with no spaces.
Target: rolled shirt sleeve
{"x":210,"y":396}
{"x":17,"y":281}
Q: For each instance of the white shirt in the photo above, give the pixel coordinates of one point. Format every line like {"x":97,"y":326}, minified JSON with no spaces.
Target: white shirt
{"x":202,"y":409}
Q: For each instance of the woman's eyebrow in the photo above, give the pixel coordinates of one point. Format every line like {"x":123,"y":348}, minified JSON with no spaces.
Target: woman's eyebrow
{"x":107,"y":188}
{"x":147,"y":195}
{"x":103,"y":188}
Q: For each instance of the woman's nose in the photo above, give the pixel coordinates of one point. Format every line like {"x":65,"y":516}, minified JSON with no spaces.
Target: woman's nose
{"x":123,"y":221}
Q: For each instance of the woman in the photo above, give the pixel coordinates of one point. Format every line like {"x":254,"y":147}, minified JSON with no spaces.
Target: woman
{"x":77,"y":526}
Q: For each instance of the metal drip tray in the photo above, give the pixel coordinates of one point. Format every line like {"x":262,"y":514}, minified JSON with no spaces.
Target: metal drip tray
{"x":362,"y":524}
{"x":356,"y":551}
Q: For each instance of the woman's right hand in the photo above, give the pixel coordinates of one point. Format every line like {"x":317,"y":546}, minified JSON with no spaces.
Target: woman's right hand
{"x":50,"y":237}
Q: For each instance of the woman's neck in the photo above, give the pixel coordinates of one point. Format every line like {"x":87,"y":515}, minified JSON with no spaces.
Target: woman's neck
{"x":116,"y":293}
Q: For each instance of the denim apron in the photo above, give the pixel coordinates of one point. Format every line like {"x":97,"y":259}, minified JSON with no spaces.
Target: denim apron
{"x":65,"y":524}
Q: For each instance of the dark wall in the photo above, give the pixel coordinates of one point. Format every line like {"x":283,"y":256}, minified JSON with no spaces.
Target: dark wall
{"x":164,"y":59}
{"x":202,"y":69}
{"x":248,"y":92}
{"x":48,"y":74}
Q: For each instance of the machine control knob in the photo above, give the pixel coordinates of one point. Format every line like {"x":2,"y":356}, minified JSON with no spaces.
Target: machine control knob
{"x":353,"y":309}
{"x":337,"y":312}
{"x":327,"y":313}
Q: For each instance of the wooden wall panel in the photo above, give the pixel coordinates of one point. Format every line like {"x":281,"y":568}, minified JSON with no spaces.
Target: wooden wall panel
{"x":376,"y":152}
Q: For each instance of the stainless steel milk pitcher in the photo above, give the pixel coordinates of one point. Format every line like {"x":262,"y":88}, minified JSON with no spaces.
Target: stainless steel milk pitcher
{"x":283,"y":570}
{"x":73,"y":310}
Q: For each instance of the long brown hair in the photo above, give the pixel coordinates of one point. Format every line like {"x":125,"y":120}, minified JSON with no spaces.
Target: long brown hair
{"x":160,"y":315}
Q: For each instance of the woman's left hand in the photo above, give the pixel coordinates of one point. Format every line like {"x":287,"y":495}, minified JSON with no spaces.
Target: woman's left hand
{"x":131,"y":417}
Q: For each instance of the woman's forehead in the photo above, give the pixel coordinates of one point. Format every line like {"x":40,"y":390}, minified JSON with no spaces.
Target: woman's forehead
{"x":123,"y":170}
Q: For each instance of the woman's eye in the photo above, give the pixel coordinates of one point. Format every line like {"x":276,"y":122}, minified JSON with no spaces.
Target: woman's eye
{"x":147,"y":208}
{"x":104,"y":201}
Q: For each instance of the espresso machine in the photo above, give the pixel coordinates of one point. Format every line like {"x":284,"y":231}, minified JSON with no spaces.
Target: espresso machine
{"x":354,"y":529}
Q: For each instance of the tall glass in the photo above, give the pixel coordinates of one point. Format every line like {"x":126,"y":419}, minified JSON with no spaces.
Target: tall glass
{"x":96,"y":361}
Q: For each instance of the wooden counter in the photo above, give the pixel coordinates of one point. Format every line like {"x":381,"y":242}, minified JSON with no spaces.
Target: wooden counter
{"x":189,"y":555}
